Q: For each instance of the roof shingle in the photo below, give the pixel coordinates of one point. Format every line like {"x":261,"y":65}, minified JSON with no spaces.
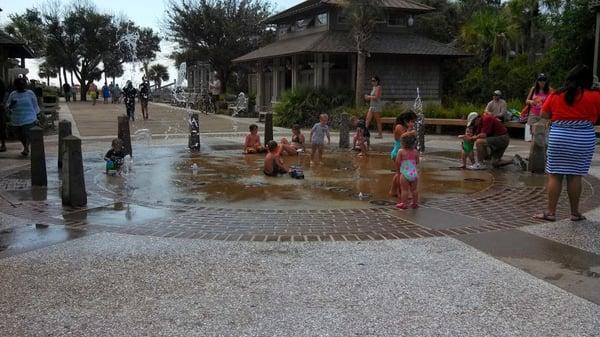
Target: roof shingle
{"x":341,"y":42}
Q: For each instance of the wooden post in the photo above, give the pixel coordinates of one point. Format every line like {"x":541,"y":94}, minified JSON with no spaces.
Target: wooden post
{"x":124,"y":134}
{"x":268,"y":127}
{"x":39,"y":176}
{"x":537,"y":151}
{"x":73,"y":191}
{"x":345,"y":131}
{"x":64,"y":130}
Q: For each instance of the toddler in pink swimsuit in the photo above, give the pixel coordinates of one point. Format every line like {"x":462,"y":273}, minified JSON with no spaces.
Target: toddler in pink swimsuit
{"x":407,"y":161}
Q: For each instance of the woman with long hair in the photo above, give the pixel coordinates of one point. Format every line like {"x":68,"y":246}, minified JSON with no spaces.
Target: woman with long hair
{"x":375,"y":105}
{"x":574,"y":109}
{"x":536,"y":98}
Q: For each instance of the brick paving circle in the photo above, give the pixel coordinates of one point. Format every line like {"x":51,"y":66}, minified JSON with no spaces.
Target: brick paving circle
{"x":507,"y":203}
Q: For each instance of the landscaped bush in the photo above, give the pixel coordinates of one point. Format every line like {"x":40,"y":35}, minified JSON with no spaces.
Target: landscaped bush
{"x":303,"y":106}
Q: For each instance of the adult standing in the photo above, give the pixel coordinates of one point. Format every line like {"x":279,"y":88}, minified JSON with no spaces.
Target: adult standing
{"x":144,"y":96}
{"x":22,"y":106}
{"x":2,"y":117}
{"x":497,"y":106}
{"x":536,"y":98}
{"x":491,"y":140}
{"x":105,"y":92}
{"x":375,"y":105}
{"x":67,"y":91}
{"x":130,"y":93}
{"x":93,"y":92}
{"x":73,"y":92}
{"x":574,"y":110}
{"x":116,"y":94}
{"x":214,"y":87}
{"x":405,"y":125}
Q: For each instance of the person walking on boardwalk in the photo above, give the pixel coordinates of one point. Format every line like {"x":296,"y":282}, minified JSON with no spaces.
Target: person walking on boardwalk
{"x":129,"y":93}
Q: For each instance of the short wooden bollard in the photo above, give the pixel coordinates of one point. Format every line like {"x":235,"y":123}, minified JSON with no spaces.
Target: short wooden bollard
{"x":64,"y":130}
{"x":124,"y":134}
{"x":345,"y":131}
{"x":39,"y":176}
{"x":268,"y":127}
{"x":73,"y":191}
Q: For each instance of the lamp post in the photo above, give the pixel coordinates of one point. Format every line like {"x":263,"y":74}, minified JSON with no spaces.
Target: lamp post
{"x":595,"y":6}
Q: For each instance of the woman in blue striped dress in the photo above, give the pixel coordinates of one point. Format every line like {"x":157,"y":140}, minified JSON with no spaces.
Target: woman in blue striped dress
{"x":573,"y":110}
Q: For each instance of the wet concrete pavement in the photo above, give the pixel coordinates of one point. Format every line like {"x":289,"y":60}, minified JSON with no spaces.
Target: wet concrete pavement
{"x":138,"y":254}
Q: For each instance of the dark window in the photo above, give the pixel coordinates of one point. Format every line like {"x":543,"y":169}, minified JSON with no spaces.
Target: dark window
{"x":398,"y":20}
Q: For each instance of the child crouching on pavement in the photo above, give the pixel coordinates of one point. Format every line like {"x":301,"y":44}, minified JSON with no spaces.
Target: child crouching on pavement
{"x":114,"y":157}
{"x":407,"y":161}
{"x":467,"y":142}
{"x":273,"y":165}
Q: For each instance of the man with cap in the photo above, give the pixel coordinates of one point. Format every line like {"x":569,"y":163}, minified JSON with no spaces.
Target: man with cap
{"x":491,"y":140}
{"x":497,"y":106}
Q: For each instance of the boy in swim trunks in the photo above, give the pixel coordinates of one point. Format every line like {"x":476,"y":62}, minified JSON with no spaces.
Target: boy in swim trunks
{"x":273,"y":164}
{"x":252,"y":142}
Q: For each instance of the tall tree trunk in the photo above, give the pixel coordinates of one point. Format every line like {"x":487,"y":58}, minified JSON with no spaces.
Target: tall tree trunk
{"x":361,"y":69}
{"x":48,"y":80}
{"x":72,"y":82}
{"x":65,"y":75}
{"x":59,"y":80}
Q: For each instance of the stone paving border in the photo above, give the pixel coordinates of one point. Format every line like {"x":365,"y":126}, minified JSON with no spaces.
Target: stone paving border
{"x":500,"y":207}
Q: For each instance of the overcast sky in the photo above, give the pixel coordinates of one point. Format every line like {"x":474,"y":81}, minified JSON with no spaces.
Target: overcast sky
{"x":146,"y":13}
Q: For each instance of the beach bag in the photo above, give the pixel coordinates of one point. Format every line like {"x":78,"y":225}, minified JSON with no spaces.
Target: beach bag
{"x":524,"y":114}
{"x":408,"y":169}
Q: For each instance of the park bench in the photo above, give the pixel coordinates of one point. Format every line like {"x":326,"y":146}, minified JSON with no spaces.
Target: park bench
{"x":439,"y":122}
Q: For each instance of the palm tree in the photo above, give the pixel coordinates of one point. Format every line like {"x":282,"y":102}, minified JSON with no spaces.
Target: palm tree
{"x":485,"y":34}
{"x":362,"y":16}
{"x":158,"y":73}
{"x":47,"y":71}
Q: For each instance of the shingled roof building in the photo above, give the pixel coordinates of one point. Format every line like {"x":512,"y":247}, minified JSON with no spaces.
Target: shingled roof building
{"x":314,"y":48}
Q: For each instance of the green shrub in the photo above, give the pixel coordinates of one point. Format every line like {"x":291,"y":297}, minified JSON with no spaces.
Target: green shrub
{"x":304,"y":105}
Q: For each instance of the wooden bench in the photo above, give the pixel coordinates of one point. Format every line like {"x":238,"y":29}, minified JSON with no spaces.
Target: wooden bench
{"x":439,"y":122}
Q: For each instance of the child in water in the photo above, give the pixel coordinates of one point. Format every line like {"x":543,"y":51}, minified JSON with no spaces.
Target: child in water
{"x":317,"y":137}
{"x":297,"y":140}
{"x":252,"y":142}
{"x":360,"y":142}
{"x":273,"y":164}
{"x":407,"y":161}
{"x":114,"y":157}
{"x":467,"y":141}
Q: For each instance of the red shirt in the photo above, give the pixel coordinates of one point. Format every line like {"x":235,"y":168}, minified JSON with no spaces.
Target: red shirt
{"x":585,"y":107}
{"x":491,"y":126}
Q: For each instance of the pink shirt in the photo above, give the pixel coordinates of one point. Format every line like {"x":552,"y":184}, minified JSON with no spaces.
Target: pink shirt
{"x":538,"y":101}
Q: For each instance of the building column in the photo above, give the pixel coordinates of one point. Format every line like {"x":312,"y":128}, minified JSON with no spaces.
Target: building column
{"x":352,"y":71}
{"x":326,"y":66}
{"x":275,"y":81}
{"x":318,"y":69}
{"x":259,"y":85}
{"x":294,"y":72}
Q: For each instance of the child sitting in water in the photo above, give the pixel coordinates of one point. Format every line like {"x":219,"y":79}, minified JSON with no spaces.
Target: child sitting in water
{"x":252,"y":142}
{"x":297,"y":140}
{"x":468,"y":142}
{"x":114,"y":157}
{"x":360,"y":142}
{"x":273,"y":165}
{"x":360,"y":123}
{"x":407,"y":161}
{"x":317,"y":137}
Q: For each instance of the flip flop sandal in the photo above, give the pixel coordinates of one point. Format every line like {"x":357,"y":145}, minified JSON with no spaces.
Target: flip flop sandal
{"x":545,"y":216}
{"x":577,"y":217}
